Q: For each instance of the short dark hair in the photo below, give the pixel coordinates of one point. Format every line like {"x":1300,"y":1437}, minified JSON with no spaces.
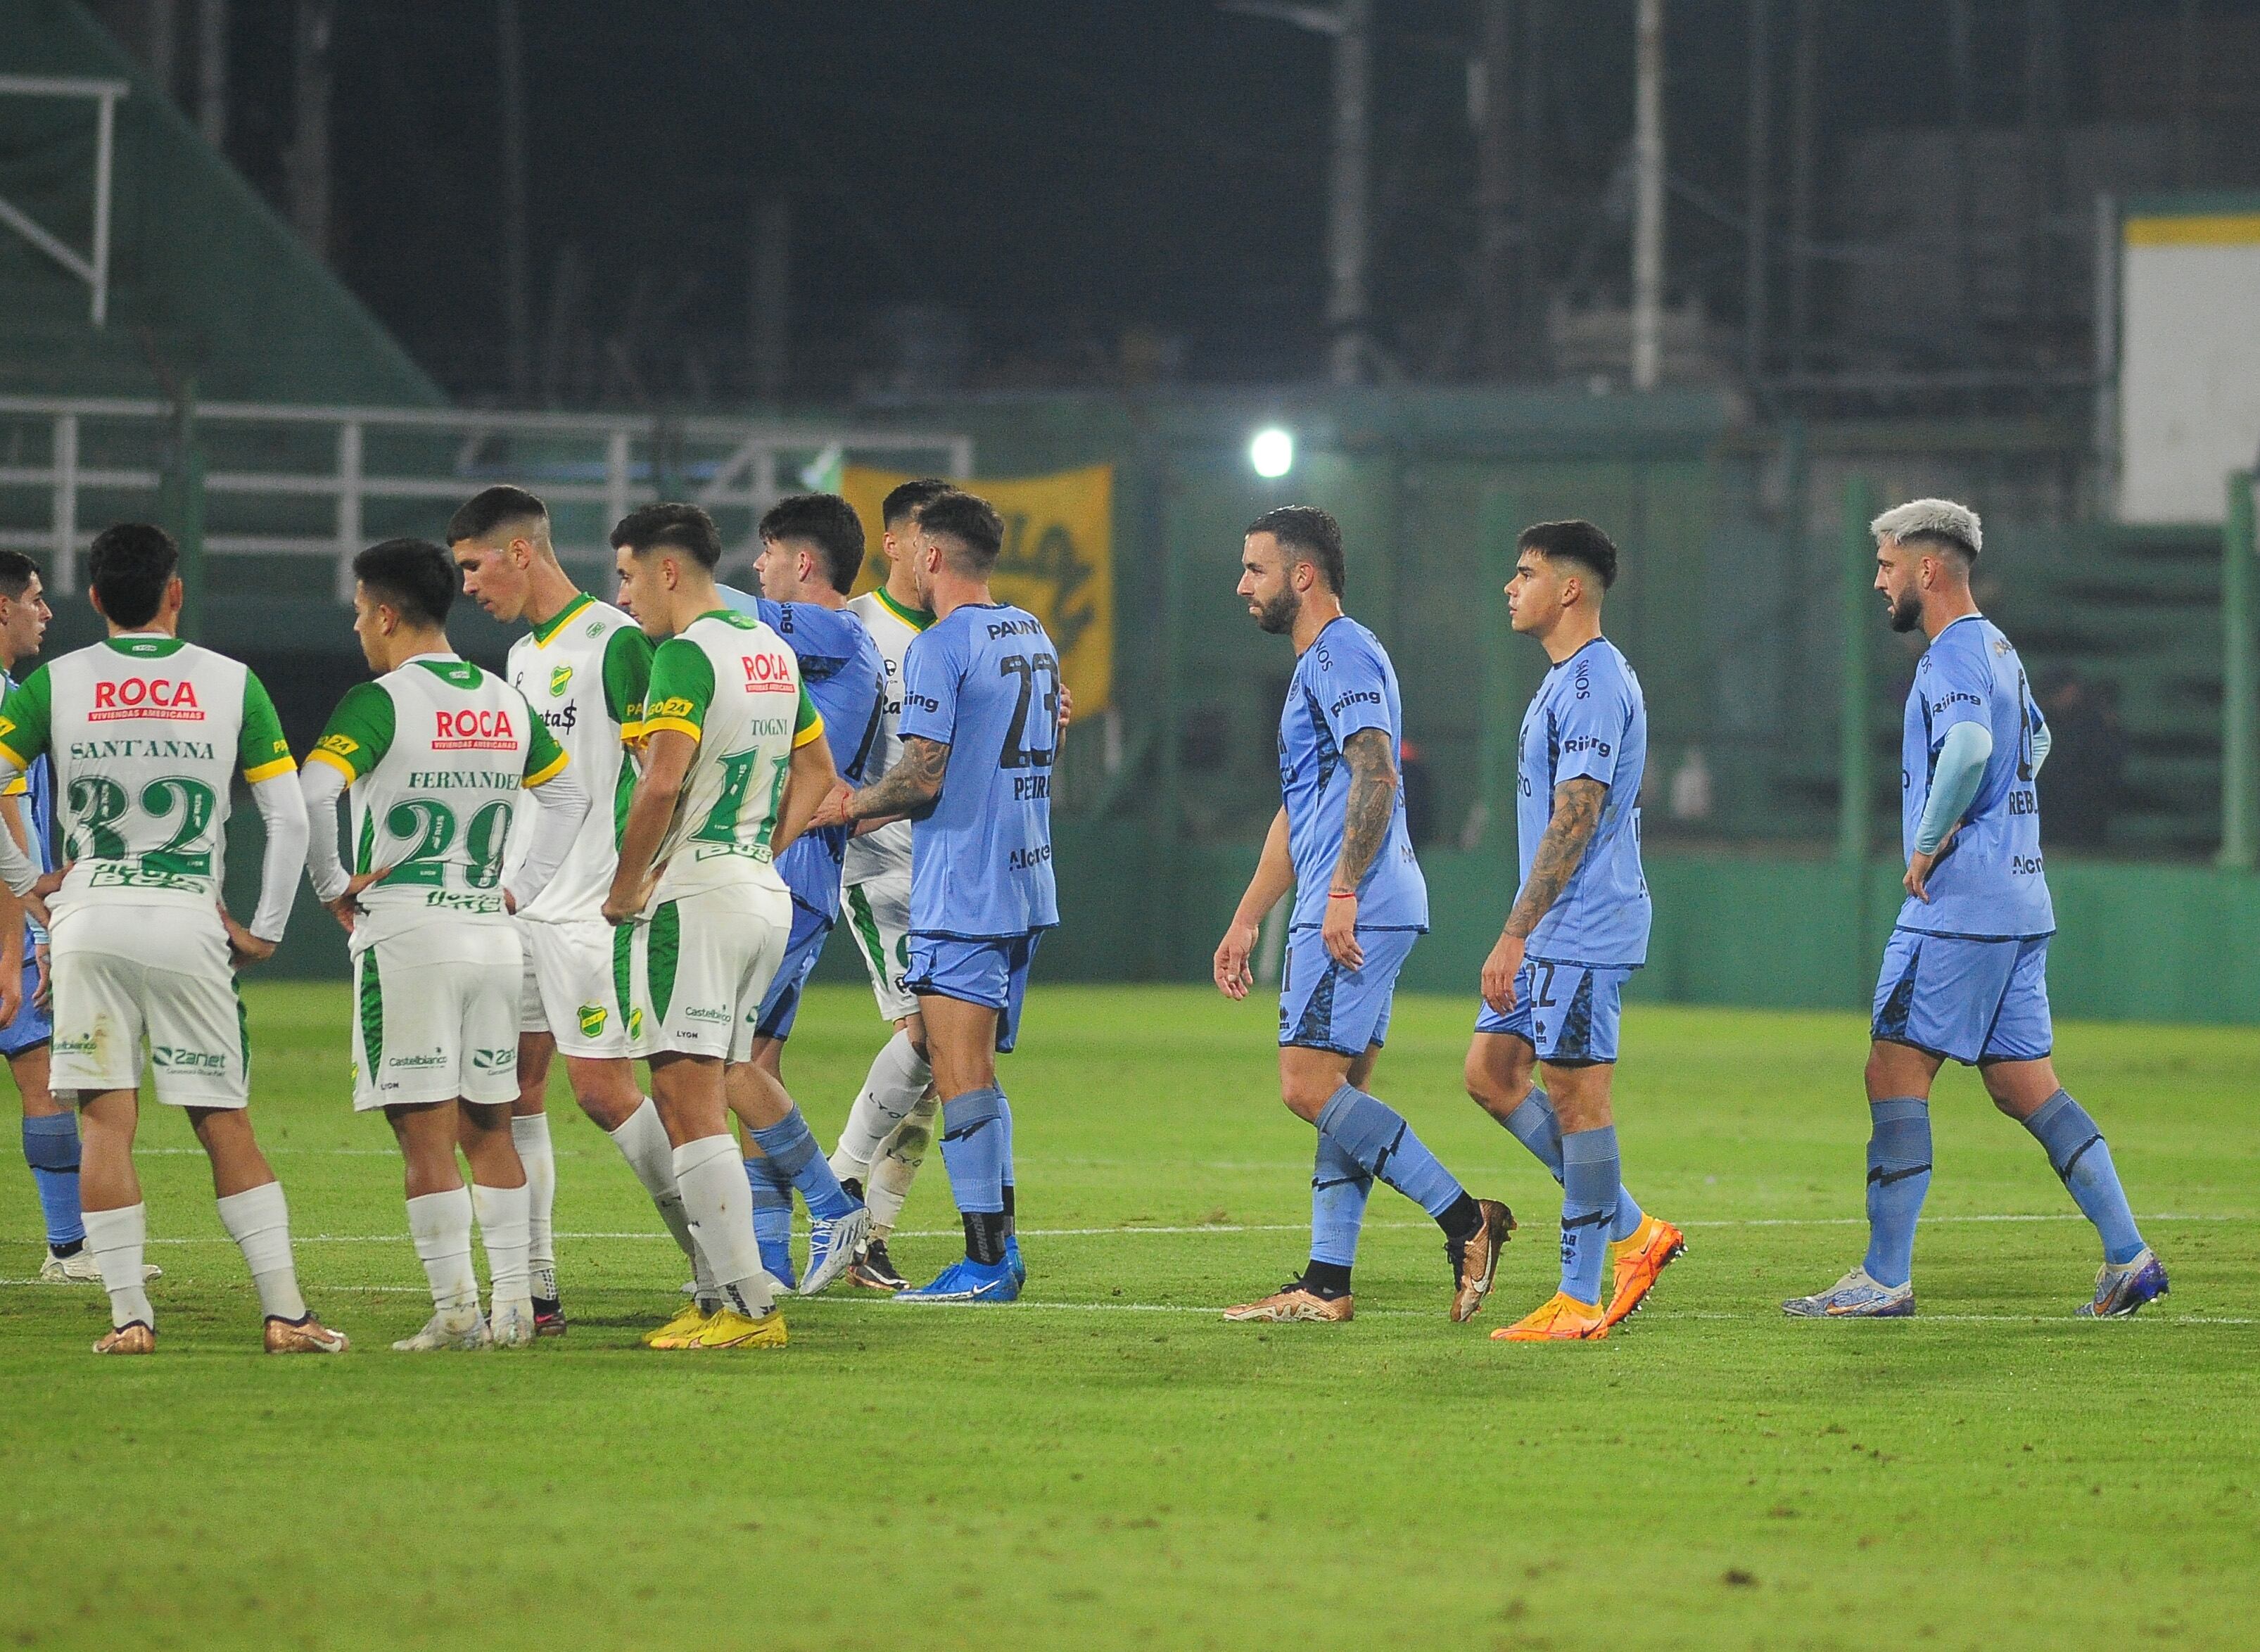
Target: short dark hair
{"x":488,"y":509}
{"x":16,"y":572}
{"x":682,"y":527}
{"x":902,"y":502}
{"x":413,"y":575}
{"x":130,"y":565}
{"x":1311,"y":534}
{"x":970,"y":519}
{"x":827,"y":521}
{"x":1578,"y":541}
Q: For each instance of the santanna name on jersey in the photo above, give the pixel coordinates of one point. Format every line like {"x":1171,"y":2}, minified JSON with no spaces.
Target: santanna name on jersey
{"x":88,"y":751}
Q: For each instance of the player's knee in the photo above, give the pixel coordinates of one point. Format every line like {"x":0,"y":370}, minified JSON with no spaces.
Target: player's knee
{"x":1307,"y":1096}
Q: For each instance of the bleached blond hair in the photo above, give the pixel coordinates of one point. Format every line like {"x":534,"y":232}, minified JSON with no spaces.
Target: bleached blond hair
{"x":1930,"y":521}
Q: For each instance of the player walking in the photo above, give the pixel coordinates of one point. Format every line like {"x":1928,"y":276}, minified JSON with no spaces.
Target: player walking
{"x":734,"y":761}
{"x":980,"y":728}
{"x":812,"y":550}
{"x":1578,"y":931}
{"x":146,"y":735}
{"x":1340,"y":842}
{"x":583,"y":666}
{"x":435,"y":752}
{"x":891,"y":1127}
{"x":1965,"y":973}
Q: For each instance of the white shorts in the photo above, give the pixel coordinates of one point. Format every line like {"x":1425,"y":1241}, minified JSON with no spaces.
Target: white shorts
{"x":698,"y":967}
{"x":430,"y":1029}
{"x":568,"y":988}
{"x":124,"y":973}
{"x":878,"y":914}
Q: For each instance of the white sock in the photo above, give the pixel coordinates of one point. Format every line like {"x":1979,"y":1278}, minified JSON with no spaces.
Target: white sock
{"x":531,"y":1132}
{"x":258,"y":1220}
{"x":441,"y":1225}
{"x":116,"y":1239}
{"x":900,"y":1155}
{"x":720,"y":1205}
{"x":642,"y":1142}
{"x":898,"y":1078}
{"x":502,"y":1225}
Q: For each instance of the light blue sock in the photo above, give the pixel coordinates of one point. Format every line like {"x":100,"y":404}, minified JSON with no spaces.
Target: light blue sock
{"x":51,"y":1149}
{"x":1589,"y":1190}
{"x":2082,"y":1158}
{"x":1339,"y":1187}
{"x":791,"y":1147}
{"x":976,"y":1144}
{"x":1537,"y":1127}
{"x":1378,"y":1138}
{"x":772,"y":1216}
{"x":1898,"y":1178}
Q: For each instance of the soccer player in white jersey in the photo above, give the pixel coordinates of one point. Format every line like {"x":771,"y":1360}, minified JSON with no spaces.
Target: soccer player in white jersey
{"x":891,"y":1124}
{"x":583,"y":668}
{"x":734,"y":764}
{"x":147,"y":734}
{"x":436,"y":753}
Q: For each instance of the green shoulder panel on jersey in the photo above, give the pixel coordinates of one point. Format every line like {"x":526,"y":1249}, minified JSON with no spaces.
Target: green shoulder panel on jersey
{"x":682,"y":689}
{"x":627,"y":675}
{"x":358,"y":733}
{"x":262,"y":749}
{"x":24,"y":719}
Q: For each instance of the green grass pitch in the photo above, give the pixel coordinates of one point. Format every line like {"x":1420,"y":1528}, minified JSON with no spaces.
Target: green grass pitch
{"x":1107,"y":1464}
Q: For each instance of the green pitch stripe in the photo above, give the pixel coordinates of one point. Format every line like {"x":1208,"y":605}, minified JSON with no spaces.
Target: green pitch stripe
{"x":867,"y":929}
{"x":372,"y":1016}
{"x":660,"y":954}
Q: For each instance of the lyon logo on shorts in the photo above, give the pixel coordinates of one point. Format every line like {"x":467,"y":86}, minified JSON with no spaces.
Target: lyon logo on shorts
{"x":593,"y":1017}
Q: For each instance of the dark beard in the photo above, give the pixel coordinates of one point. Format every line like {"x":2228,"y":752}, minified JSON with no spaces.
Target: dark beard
{"x":1906,"y":614}
{"x":1278,"y":616}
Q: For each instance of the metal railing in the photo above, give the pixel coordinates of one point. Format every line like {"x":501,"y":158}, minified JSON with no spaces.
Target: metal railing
{"x":733,"y":467}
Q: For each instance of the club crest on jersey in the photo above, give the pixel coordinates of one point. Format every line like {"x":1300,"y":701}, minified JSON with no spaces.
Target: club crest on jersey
{"x":768,"y":673}
{"x":560,"y":678}
{"x":486,"y":728}
{"x":146,"y":697}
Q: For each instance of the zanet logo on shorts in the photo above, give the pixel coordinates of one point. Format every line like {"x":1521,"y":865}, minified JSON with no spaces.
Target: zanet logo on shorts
{"x":706,"y":1013}
{"x":173,"y":1058}
{"x":146,"y":697}
{"x":474,"y":726}
{"x":493,"y":1061}
{"x":592,"y":1018}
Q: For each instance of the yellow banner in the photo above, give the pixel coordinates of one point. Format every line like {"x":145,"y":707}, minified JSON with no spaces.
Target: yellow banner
{"x":1058,"y":562}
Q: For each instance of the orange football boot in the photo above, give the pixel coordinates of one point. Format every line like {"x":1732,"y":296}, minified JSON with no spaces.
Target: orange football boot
{"x":1642,"y":1256}
{"x":1561,"y":1317}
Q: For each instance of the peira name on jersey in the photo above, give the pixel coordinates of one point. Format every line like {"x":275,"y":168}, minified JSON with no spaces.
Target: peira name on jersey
{"x":90,"y":751}
{"x":482,"y":728}
{"x":146,"y":697}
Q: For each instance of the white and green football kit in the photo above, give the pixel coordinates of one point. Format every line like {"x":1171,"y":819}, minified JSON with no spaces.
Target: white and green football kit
{"x":700,"y":956}
{"x":583,"y":672}
{"x":875,"y":873}
{"x":147,"y":735}
{"x":437,"y":754}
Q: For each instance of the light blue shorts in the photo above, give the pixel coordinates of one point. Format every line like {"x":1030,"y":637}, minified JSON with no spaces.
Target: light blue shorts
{"x":1565,"y":1011}
{"x":1972,"y":1000}
{"x":1323,"y":1006}
{"x":990,"y":972}
{"x":802,"y":948}
{"x":32,"y":1026}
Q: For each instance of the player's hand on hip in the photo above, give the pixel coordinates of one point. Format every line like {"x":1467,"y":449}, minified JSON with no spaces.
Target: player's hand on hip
{"x":11,"y":998}
{"x":1499,"y":971}
{"x":35,"y":906}
{"x":1920,"y":865}
{"x":244,"y":949}
{"x":1339,"y":930}
{"x":43,"y":985}
{"x":1233,"y":977}
{"x":50,"y":882}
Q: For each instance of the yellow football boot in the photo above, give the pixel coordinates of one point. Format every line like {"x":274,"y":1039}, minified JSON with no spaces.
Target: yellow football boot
{"x":681,"y":1330}
{"x":1640,"y":1258}
{"x":1561,"y":1318}
{"x":729,"y":1328}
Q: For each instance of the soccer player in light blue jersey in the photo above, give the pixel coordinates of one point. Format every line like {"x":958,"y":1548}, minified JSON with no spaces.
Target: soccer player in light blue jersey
{"x":980,"y":727}
{"x":812,"y":550}
{"x":1578,"y":929}
{"x":1340,"y":842}
{"x":1965,"y":973}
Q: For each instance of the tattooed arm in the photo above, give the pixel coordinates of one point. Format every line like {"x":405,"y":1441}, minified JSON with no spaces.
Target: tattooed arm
{"x":1577,"y":813}
{"x":1366,"y":817}
{"x":909,"y":788}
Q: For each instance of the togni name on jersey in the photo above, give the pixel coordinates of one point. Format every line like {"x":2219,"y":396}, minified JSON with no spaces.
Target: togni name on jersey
{"x":89,"y":751}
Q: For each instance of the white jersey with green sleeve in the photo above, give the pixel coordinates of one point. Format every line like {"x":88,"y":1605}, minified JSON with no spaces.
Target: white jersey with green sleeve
{"x":893,"y":627}
{"x":732,"y":684}
{"x":583,"y":672}
{"x":147,"y":734}
{"x":436,"y":753}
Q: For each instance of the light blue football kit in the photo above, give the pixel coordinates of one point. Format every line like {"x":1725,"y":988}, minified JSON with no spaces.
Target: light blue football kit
{"x":51,"y":1144}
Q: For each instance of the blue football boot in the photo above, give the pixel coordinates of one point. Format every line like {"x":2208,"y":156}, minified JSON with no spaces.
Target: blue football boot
{"x":968,"y":1281}
{"x":832,"y":1246}
{"x":1855,"y":1296}
{"x":1012,"y":1261}
{"x":2121,"y":1290}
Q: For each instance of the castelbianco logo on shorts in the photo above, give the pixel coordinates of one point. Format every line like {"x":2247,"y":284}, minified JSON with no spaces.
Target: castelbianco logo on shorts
{"x":707,"y":1014}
